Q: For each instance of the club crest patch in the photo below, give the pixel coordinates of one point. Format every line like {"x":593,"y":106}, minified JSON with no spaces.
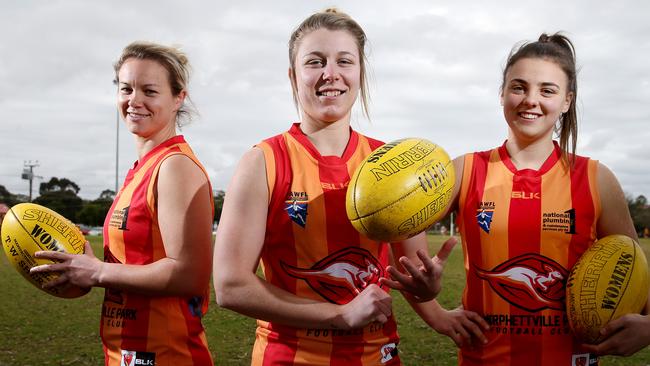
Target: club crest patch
{"x":484,"y":215}
{"x":296,"y":207}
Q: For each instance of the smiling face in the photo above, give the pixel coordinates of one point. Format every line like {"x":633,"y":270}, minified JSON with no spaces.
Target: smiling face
{"x":534,"y":96}
{"x":145,"y":99}
{"x":326,"y":75}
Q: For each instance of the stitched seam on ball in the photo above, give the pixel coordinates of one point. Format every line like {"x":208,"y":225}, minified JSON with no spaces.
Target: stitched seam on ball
{"x":27,"y":231}
{"x":354,"y":199}
{"x":390,"y":204}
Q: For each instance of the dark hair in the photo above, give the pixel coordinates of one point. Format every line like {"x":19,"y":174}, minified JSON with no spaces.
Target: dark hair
{"x":331,"y":19}
{"x":558,"y":49}
{"x":173,"y":60}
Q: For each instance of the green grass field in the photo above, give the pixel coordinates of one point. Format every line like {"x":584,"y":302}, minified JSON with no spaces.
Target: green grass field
{"x":38,"y":329}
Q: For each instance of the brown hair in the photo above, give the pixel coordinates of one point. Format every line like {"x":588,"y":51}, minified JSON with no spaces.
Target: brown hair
{"x":331,"y":19}
{"x":173,"y":60}
{"x":559,"y":49}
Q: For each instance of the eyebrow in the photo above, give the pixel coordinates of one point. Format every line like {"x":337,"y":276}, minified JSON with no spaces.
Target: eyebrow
{"x":320,"y":54}
{"x":544,"y":84}
{"x":145,"y":85}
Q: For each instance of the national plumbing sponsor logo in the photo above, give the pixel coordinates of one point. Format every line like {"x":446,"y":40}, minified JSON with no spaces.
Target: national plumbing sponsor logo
{"x":563,"y":222}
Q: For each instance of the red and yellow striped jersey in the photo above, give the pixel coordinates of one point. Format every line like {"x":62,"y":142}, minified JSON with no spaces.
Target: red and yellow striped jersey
{"x":313,"y":251}
{"x":138,"y":329}
{"x":522,"y":232}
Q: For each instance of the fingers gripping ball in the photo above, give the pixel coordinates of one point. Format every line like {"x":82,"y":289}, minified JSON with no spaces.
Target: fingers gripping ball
{"x":609,"y":280}
{"x":400,"y":190}
{"x":28,"y":228}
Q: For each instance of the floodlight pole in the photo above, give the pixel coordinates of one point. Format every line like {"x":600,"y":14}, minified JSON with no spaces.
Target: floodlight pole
{"x":29,"y":174}
{"x":451,"y":224}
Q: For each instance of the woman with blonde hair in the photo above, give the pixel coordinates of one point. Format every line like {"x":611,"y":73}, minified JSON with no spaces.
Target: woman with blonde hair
{"x":158,"y":232}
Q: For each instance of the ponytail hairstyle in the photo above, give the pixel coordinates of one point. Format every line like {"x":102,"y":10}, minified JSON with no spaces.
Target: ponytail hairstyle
{"x":331,"y":19}
{"x":558,"y":49}
{"x":173,"y":60}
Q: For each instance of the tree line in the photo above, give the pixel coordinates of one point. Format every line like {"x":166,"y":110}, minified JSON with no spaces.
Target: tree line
{"x":61,"y":195}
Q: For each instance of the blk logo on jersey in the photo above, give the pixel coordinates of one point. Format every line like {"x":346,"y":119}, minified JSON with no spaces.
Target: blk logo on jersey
{"x":522,"y":195}
{"x":339,"y":277}
{"x":530,"y":281}
{"x":484,"y":215}
{"x":134,"y":358}
{"x":296,"y":207}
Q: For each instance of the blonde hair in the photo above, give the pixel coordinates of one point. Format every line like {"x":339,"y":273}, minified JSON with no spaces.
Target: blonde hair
{"x":173,"y":60}
{"x":331,"y":19}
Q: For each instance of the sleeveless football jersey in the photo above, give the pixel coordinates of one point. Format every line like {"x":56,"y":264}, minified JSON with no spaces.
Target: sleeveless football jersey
{"x":522,"y":232}
{"x":311,"y":250}
{"x":138,"y":329}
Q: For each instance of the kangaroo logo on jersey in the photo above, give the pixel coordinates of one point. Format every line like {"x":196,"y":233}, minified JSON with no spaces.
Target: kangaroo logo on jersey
{"x":484,"y":215}
{"x":339,"y":277}
{"x":530,"y":281}
{"x":296,"y":207}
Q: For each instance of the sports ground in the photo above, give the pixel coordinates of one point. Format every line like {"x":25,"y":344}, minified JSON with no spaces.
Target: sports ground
{"x":39,"y":329}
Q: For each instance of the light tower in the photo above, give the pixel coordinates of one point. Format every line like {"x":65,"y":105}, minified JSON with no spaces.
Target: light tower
{"x":28,"y":174}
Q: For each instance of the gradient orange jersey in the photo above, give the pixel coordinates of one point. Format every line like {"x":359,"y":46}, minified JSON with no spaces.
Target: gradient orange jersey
{"x":522,"y":232}
{"x":311,"y":250}
{"x":138,"y":329}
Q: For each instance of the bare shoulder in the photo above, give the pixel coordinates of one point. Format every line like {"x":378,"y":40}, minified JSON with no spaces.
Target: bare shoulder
{"x":182,"y":167}
{"x":252,"y":160}
{"x":605,"y":177}
{"x":615,"y":215}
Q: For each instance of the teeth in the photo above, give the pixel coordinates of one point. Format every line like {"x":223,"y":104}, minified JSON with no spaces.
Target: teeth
{"x":529,"y":115}
{"x":331,"y":93}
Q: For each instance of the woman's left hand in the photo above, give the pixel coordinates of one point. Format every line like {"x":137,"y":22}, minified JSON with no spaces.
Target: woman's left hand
{"x":420,"y":283}
{"x":623,"y":336}
{"x":81,"y":270}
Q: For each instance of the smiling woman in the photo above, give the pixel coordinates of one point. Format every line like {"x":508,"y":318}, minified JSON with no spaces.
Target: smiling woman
{"x":527,"y":210}
{"x":158,"y":232}
{"x":322,"y":301}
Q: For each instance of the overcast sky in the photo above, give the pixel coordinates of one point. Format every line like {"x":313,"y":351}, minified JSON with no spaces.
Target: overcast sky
{"x":435,"y":73}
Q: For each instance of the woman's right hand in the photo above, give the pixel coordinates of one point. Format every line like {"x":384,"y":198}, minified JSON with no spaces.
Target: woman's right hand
{"x":464,"y":327}
{"x":371,"y":305}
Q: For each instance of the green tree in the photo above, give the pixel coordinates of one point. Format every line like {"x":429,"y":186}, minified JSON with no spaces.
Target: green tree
{"x":640,"y":212}
{"x":60,"y":195}
{"x":6,"y":197}
{"x":94,"y":212}
{"x":219,"y":196}
{"x":58,"y":185}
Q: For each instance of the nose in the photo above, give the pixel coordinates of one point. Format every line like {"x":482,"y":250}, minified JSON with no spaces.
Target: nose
{"x":134,"y":99}
{"x":330,"y":73}
{"x":531,"y":100}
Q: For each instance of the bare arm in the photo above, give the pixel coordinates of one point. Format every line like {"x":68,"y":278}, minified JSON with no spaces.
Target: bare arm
{"x":420,"y":280}
{"x":185,"y":218}
{"x":236,"y":256}
{"x":630,"y":333}
{"x":615,"y":217}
